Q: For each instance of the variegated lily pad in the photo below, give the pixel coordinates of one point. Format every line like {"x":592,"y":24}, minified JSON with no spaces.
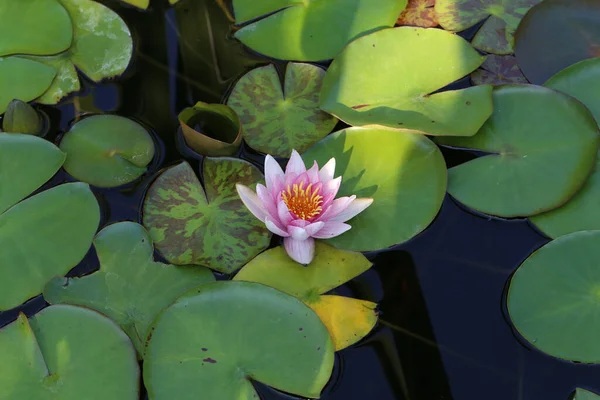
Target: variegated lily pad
{"x":130,"y":287}
{"x":497,"y":33}
{"x":209,"y":227}
{"x":498,"y":70}
{"x":277,"y":120}
{"x":348,"y":320}
{"x":419,"y":13}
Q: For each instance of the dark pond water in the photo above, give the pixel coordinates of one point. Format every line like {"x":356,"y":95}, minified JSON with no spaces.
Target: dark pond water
{"x":443,"y":332}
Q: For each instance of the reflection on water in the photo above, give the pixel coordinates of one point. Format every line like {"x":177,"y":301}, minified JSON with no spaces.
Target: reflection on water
{"x":443,"y":333}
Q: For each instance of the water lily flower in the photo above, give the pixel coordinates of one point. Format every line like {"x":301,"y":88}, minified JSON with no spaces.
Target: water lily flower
{"x":300,"y":204}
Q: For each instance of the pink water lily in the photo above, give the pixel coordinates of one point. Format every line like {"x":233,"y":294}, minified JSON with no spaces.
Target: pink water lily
{"x":300,"y":204}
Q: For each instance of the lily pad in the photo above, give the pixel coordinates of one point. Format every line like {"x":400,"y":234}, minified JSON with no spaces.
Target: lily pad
{"x":498,"y":70}
{"x":582,"y":394}
{"x":65,"y":82}
{"x":215,"y":339}
{"x":348,"y":320}
{"x":67,"y":353}
{"x":371,"y":82}
{"x":497,"y":33}
{"x":403,"y":171}
{"x":580,"y":213}
{"x":419,"y":13}
{"x":310,"y":31}
{"x":211,"y":129}
{"x":130,"y":287}
{"x":23,"y":79}
{"x":209,"y":227}
{"x":21,"y":117}
{"x":543,"y":146}
{"x":107,"y":150}
{"x":34,"y":27}
{"x":553,"y":297}
{"x":275,"y":120}
{"x":556,"y":34}
{"x":143,"y":4}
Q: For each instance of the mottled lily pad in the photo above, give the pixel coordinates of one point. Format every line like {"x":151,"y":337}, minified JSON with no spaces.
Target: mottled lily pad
{"x":308,"y":30}
{"x":498,"y":70}
{"x":211,"y":129}
{"x":67,"y":353}
{"x":543,"y":146}
{"x":215,"y":339}
{"x":277,"y":120}
{"x":553,"y":297}
{"x":23,"y":79}
{"x":497,"y":33}
{"x":107,"y":150}
{"x":348,"y":320}
{"x":371,"y":82}
{"x":130,"y":287}
{"x":582,"y":212}
{"x":403,"y":171}
{"x":556,"y":34}
{"x":34,"y":27}
{"x":582,"y":394}
{"x":419,"y":13}
{"x":209,"y":227}
{"x":65,"y":82}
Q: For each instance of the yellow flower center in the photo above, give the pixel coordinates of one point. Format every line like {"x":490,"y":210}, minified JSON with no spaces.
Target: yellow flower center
{"x":305,"y":203}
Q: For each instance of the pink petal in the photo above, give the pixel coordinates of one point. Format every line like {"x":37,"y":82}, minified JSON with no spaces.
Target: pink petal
{"x":356,"y":207}
{"x":303,"y":177}
{"x":326,"y":173}
{"x":284,"y":214}
{"x":331,"y":229}
{"x":273,"y":173}
{"x":297,"y":232}
{"x":295,"y":165}
{"x":251,"y":201}
{"x":299,"y":222}
{"x":290,"y":178}
{"x":336,"y":207}
{"x":331,"y":187}
{"x":313,"y":173}
{"x":267,"y":200}
{"x":273,"y":227}
{"x":301,"y":251}
{"x":314,"y":228}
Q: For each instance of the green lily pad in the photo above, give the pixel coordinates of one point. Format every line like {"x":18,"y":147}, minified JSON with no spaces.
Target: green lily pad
{"x":209,"y":227}
{"x":34,"y":27}
{"x":308,"y":30}
{"x":371,"y":82}
{"x":23,"y":79}
{"x":21,"y":117}
{"x":580,"y":213}
{"x":498,"y":70}
{"x":275,"y":120}
{"x":582,"y":394}
{"x":496,"y":35}
{"x":543,"y":146}
{"x":65,"y":82}
{"x":143,"y":4}
{"x":403,"y":171}
{"x":556,"y":34}
{"x":553,"y":297}
{"x":130,"y":287}
{"x":211,"y":129}
{"x":107,"y":150}
{"x":67,"y":353}
{"x":348,"y":320}
{"x":215,"y":339}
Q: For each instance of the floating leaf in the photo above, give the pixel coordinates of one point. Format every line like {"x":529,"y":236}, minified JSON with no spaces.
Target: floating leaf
{"x":67,"y":353}
{"x":34,"y":27}
{"x":130,"y":287}
{"x":302,"y":31}
{"x":210,"y":227}
{"x":65,"y":82}
{"x":143,"y":4}
{"x":20,"y":117}
{"x":348,"y":320}
{"x":23,"y":79}
{"x":498,"y":70}
{"x":556,"y":34}
{"x":403,"y":171}
{"x":211,"y":129}
{"x":371,"y":82}
{"x":214,"y":339}
{"x":543,"y":146}
{"x":553,"y":297}
{"x":582,"y":394}
{"x":107,"y":150}
{"x":419,"y":13}
{"x":580,"y":213}
{"x":502,"y":18}
{"x":277,"y":120}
